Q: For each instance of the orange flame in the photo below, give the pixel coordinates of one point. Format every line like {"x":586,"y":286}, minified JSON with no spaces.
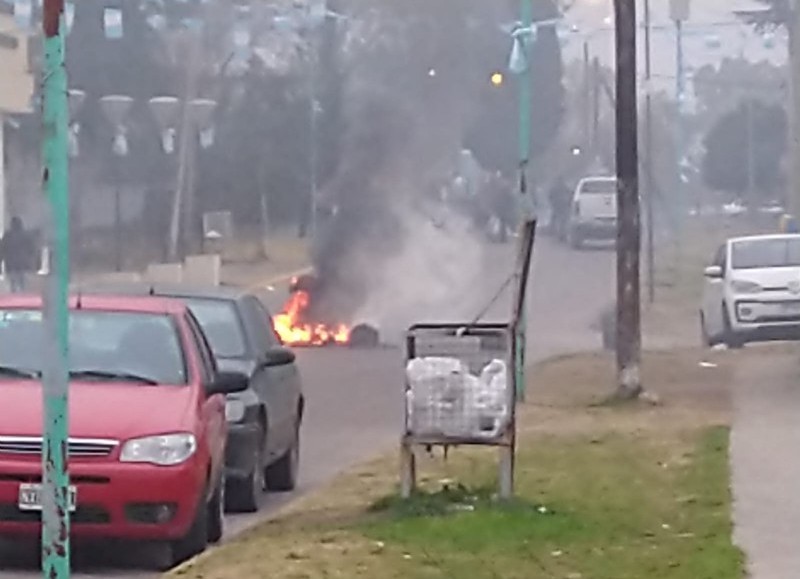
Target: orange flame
{"x":293,"y":332}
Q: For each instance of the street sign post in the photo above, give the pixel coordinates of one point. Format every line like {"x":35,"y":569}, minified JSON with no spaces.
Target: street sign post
{"x":55,"y":454}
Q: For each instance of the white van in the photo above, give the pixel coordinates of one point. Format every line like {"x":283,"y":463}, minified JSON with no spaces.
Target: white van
{"x":594,"y":211}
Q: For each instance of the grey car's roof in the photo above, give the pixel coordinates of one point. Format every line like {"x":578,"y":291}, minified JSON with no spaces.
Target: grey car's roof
{"x":223,"y":292}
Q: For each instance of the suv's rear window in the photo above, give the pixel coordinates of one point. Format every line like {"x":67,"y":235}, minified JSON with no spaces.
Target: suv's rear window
{"x":221,"y":325}
{"x":599,"y":186}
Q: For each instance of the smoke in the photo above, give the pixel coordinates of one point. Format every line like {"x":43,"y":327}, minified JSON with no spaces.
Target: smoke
{"x":389,"y":252}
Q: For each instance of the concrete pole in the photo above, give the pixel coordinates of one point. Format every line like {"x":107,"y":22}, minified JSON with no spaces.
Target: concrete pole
{"x":3,"y":200}
{"x":55,"y":501}
{"x":629,"y":335}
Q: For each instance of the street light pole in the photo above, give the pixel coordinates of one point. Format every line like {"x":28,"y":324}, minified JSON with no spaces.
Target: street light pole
{"x":525,"y":98}
{"x":55,"y":149}
{"x":679,"y":12}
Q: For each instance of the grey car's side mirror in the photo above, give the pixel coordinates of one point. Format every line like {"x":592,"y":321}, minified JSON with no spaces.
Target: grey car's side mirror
{"x":278,"y":357}
{"x":713,"y":272}
{"x":228,"y":383}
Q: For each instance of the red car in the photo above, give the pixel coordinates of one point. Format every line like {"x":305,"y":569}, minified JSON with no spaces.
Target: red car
{"x":147,"y":422}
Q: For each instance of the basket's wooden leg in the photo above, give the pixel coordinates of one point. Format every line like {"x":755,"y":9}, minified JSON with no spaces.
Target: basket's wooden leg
{"x":506,"y":477}
{"x":408,"y":470}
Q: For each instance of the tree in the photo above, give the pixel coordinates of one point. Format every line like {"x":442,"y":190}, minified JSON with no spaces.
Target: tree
{"x":727,"y":162}
{"x":492,"y":132}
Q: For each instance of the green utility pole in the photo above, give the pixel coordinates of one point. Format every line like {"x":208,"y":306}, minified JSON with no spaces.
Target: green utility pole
{"x":55,"y":501}
{"x":525,"y":97}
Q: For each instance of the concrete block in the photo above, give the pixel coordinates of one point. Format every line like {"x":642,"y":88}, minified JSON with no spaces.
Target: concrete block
{"x":164,"y":273}
{"x":203,"y":270}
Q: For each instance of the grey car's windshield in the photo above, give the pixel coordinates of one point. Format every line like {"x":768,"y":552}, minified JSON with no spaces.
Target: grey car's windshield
{"x":104,"y":347}
{"x":220,"y":323}
{"x":761,"y":253}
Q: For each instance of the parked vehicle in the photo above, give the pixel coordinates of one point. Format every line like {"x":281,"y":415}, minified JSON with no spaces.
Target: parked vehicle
{"x":594,"y":211}
{"x":752,"y":291}
{"x":147,"y":429}
{"x":264,"y":421}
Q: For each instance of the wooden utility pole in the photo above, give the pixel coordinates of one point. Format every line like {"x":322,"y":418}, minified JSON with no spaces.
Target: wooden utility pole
{"x":629,"y":335}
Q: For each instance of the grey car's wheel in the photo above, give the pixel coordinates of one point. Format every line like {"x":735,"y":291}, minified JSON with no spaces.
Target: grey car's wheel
{"x":244,"y":495}
{"x":282,"y":475}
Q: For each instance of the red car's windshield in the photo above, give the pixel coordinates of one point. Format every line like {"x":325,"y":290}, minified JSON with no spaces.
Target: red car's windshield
{"x":103,"y":346}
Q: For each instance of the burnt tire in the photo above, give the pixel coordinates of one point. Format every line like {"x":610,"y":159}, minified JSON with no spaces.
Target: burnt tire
{"x":364,"y":336}
{"x":281,"y":476}
{"x":244,"y":495}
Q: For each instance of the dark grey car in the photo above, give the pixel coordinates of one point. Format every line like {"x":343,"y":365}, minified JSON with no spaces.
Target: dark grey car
{"x":264,"y":421}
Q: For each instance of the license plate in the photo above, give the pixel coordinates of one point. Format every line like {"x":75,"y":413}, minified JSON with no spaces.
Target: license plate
{"x":30,"y":497}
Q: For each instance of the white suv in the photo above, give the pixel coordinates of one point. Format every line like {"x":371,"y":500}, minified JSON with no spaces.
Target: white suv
{"x":752,"y":291}
{"x":594,"y":211}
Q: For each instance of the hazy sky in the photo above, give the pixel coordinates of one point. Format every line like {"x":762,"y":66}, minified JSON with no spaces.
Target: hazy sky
{"x":707,"y":19}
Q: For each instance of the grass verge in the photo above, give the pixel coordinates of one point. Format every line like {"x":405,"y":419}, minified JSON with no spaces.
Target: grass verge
{"x":603,"y":493}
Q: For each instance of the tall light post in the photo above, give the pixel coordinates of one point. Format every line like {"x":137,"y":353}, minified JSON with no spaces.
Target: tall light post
{"x":679,"y":13}
{"x":116,"y":109}
{"x":56,"y":496}
{"x":648,"y":157}
{"x":523,"y":35}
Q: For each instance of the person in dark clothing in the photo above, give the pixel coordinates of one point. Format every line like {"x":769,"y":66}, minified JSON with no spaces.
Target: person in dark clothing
{"x":560,"y":201}
{"x":18,"y":253}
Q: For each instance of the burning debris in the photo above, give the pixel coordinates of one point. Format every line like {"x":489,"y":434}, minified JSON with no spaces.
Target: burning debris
{"x":295,"y":326}
{"x":299,"y":323}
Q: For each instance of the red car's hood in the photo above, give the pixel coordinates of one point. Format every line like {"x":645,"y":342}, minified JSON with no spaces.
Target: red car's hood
{"x":97,"y":410}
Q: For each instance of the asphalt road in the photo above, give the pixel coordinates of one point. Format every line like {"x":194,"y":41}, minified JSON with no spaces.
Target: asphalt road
{"x":354,"y":408}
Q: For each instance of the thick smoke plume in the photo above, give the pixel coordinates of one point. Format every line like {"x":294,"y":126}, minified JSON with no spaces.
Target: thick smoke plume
{"x":390,"y":253}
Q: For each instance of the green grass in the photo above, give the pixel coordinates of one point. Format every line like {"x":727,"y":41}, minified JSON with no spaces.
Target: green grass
{"x":622,"y":507}
{"x":644,"y":505}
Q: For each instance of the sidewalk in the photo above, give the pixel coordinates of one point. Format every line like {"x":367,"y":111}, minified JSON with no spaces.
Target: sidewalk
{"x":766,"y":469}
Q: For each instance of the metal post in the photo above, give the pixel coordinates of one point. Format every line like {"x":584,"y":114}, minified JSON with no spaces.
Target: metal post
{"x":629,"y":339}
{"x":117,"y":216}
{"x":525,"y":98}
{"x":648,"y":143}
{"x":313,"y":155}
{"x":751,"y":154}
{"x":55,"y":511}
{"x":679,"y":137}
{"x":794,"y":110}
{"x":587,"y":97}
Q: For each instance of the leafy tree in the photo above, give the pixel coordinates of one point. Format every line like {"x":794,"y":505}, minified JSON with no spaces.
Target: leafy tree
{"x":726,"y":164}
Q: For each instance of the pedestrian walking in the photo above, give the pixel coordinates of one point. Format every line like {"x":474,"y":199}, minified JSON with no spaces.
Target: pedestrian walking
{"x":18,"y":253}
{"x":560,"y":202}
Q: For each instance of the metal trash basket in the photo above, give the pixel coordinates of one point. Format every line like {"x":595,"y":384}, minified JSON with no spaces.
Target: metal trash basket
{"x":460,"y":390}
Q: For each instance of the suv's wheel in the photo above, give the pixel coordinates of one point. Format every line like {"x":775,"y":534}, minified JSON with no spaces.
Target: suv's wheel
{"x":730,"y":338}
{"x":216,"y":513}
{"x":574,"y":238}
{"x":243,"y":496}
{"x":196,"y":539}
{"x":282,"y":475}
